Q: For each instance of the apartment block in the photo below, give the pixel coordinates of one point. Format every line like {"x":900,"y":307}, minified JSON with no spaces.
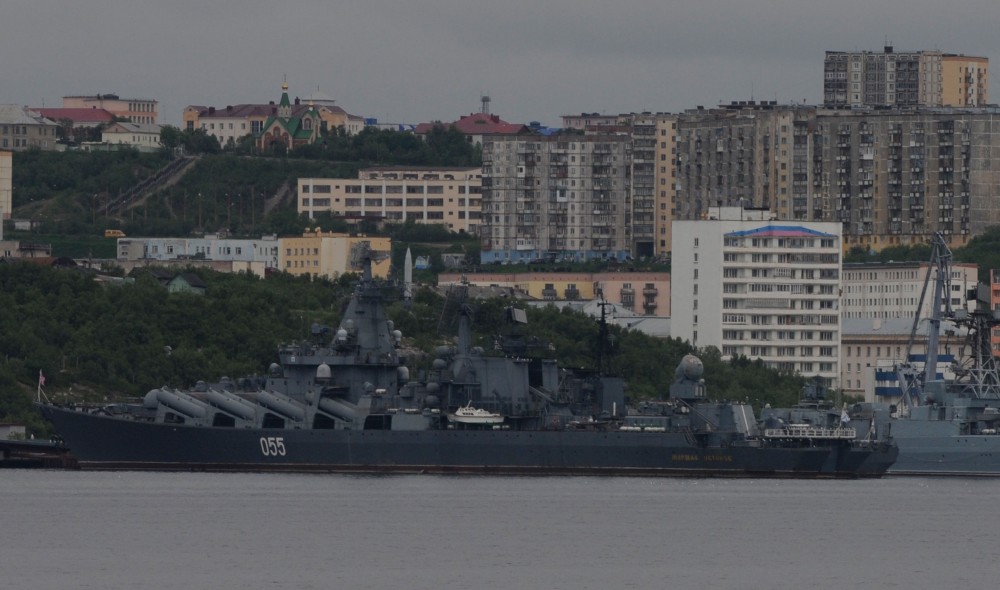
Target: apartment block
{"x":560,"y":196}
{"x":905,"y":79}
{"x":446,"y":196}
{"x":753,"y":286}
{"x":889,"y":176}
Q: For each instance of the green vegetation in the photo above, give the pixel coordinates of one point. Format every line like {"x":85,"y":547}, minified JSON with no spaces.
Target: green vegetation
{"x":983,"y":250}
{"x":97,"y":343}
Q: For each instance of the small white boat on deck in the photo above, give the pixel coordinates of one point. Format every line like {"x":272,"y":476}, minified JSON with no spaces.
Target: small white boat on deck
{"x":469,"y":415}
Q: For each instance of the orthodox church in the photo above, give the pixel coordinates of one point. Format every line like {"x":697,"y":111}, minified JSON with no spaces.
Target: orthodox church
{"x":290,"y":126}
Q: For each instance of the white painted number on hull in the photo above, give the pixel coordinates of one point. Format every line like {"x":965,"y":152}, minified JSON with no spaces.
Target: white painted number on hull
{"x":272,"y":446}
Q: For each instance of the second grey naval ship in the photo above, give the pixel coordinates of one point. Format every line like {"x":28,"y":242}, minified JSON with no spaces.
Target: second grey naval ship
{"x":942,"y":426}
{"x":349,"y":403}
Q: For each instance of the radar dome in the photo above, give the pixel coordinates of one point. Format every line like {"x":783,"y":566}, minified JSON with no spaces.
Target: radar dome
{"x":323,"y":371}
{"x":439,"y":364}
{"x":690,"y":367}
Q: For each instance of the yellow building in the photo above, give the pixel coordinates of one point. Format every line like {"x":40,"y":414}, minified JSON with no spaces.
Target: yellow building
{"x":329,"y":254}
{"x":6,"y":184}
{"x":965,"y":80}
{"x":447,"y":196}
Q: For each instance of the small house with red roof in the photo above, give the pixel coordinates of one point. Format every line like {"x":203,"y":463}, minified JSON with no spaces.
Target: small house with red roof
{"x":477,"y":126}
{"x":80,"y":117}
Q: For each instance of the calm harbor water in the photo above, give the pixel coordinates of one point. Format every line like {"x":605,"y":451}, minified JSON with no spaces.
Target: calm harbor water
{"x":248,"y":531}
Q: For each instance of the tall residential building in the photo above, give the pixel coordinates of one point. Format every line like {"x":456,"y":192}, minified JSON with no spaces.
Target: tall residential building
{"x":890,"y":176}
{"x":753,"y":286}
{"x":906,"y":79}
{"x":666,"y":181}
{"x":396,"y":194}
{"x":649,"y":141}
{"x":560,"y":196}
{"x":134,"y":110}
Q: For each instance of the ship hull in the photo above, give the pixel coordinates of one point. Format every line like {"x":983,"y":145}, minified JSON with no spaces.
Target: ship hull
{"x":928,"y":453}
{"x":99,"y":442}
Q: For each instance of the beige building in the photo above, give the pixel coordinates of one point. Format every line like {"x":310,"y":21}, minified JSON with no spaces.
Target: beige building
{"x":331,"y":255}
{"x":447,"y":196}
{"x":135,"y":110}
{"x":24,"y":129}
{"x":6,"y":185}
{"x":965,"y":80}
{"x":870,"y":349}
{"x":645,"y":293}
{"x":907,"y":78}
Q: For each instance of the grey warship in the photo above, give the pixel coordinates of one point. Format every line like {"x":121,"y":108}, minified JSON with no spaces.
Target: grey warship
{"x":946,"y":427}
{"x":350,"y":404}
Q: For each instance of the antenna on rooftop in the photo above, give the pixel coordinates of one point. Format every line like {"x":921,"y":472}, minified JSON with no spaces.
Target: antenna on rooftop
{"x":486,"y":104}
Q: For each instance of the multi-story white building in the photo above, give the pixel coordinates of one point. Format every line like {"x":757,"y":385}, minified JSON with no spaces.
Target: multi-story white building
{"x":753,"y":286}
{"x":447,"y":196}
{"x":263,"y":250}
{"x":892,"y":289}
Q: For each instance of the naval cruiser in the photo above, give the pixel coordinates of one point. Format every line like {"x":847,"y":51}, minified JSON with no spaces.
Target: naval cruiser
{"x":347,"y":402}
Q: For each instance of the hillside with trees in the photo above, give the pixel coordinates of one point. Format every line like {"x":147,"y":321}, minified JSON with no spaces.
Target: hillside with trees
{"x":239,"y":190}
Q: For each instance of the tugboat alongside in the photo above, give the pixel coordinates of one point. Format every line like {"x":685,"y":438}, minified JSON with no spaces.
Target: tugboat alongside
{"x":350,"y":405}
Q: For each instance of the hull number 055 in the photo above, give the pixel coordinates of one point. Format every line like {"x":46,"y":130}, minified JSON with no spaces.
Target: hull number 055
{"x":272,"y":446}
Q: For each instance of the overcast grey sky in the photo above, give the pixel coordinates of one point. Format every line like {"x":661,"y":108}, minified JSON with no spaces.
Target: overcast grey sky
{"x":422,"y":60}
